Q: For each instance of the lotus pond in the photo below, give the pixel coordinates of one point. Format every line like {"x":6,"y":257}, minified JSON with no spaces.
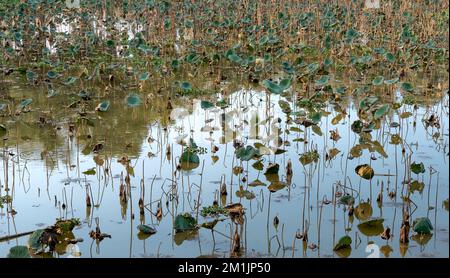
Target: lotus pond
{"x":224,"y":129}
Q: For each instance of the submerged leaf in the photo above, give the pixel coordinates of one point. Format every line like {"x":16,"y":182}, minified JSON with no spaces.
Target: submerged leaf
{"x":365,"y":171}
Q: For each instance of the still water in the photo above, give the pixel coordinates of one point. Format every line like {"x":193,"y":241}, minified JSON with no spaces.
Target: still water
{"x":46,"y":153}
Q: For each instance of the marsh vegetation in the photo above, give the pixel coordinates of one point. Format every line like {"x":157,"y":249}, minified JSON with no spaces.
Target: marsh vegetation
{"x":224,"y":128}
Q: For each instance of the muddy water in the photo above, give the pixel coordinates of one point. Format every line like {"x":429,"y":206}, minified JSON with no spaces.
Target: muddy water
{"x":43,"y":165}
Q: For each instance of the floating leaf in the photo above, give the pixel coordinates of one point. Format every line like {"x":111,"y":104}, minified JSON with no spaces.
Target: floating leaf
{"x":235,"y":58}
{"x":379,"y":148}
{"x":272,"y":169}
{"x":363,"y":211}
{"x":347,"y":200}
{"x":322,"y":81}
{"x":377,"y":81}
{"x":146,"y":229}
{"x":51,"y":74}
{"x":316,"y":129}
{"x":245,"y":194}
{"x":332,"y":153}
{"x":256,"y":183}
{"x":396,"y":139}
{"x":34,"y":242}
{"x":66,"y":225}
{"x":272,"y":87}
{"x":315,"y":117}
{"x":133,"y":100}
{"x":309,"y":157}
{"x":285,"y":84}
{"x":24,"y":103}
{"x":70,"y":80}
{"x":422,"y":225}
{"x":18,"y":252}
{"x":417,"y":168}
{"x":382,"y":111}
{"x":365,"y":171}
{"x":407,"y":87}
{"x":103,"y":106}
{"x":189,"y":160}
{"x":247,"y":153}
{"x":186,"y":86}
{"x":357,"y":126}
{"x":258,"y":165}
{"x":356,"y":151}
{"x":206,"y":104}
{"x":90,"y":172}
{"x":144,"y":76}
{"x":344,"y":242}
{"x":184,"y":222}
{"x":391,"y":81}
{"x":390,"y":57}
{"x":372,"y":227}
{"x":276,"y":186}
